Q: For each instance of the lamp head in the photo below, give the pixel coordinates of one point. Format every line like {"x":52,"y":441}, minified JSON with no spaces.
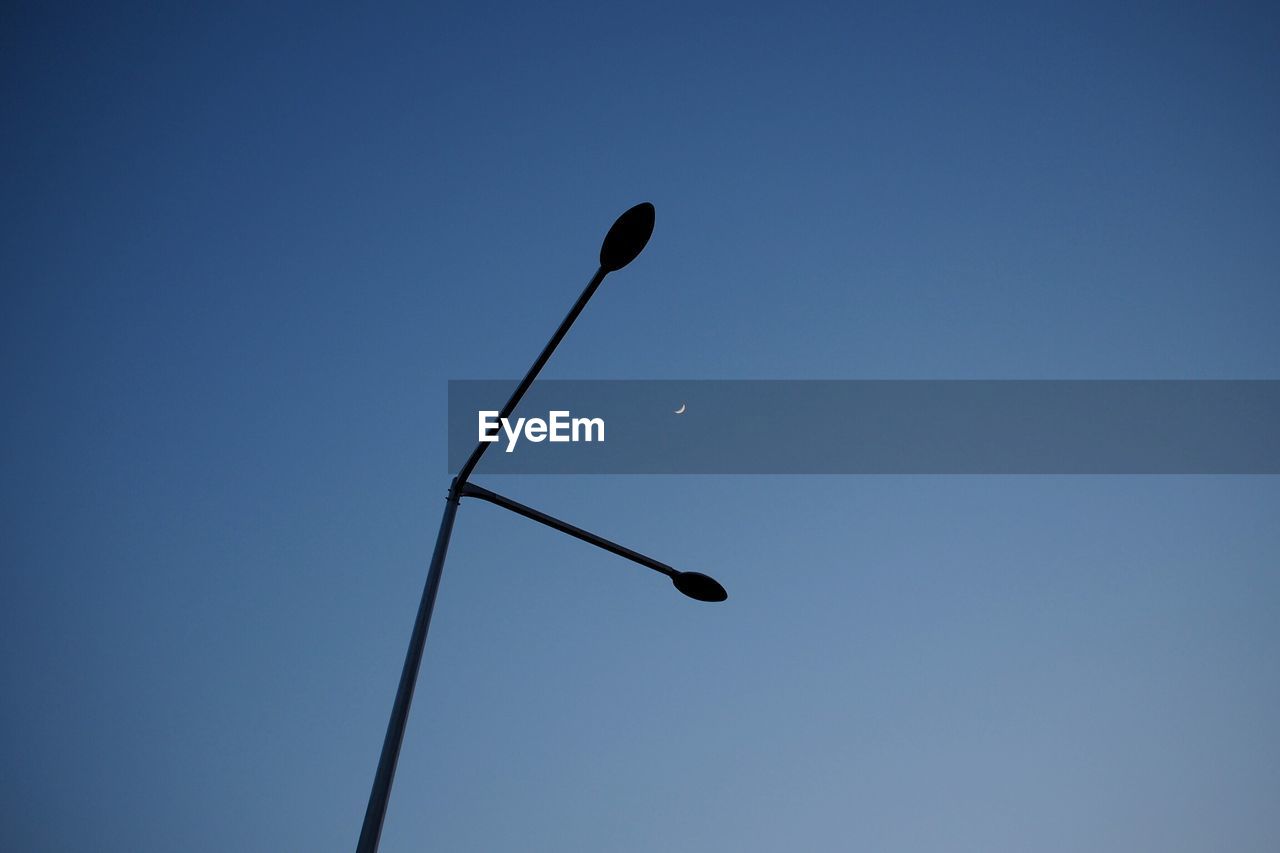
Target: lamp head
{"x":699,"y":586}
{"x":627,"y":238}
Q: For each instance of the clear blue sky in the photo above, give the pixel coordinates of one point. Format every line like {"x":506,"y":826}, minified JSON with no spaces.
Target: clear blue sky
{"x":245,"y":249}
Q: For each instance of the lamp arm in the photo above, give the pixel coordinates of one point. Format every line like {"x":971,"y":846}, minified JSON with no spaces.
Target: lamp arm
{"x":471,"y":490}
{"x":538,"y":364}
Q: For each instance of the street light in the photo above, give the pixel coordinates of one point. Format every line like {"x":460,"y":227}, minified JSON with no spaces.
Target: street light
{"x":626,"y":239}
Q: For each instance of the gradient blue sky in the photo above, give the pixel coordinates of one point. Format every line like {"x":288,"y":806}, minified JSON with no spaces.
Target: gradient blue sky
{"x":244,"y":249}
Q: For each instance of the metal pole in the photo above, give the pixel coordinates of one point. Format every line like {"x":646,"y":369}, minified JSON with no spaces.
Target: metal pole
{"x":625,"y":240}
{"x":378,"y":796}
{"x":377,"y":809}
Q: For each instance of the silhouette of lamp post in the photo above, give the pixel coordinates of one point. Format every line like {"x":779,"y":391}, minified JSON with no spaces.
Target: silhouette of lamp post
{"x":625,"y":240}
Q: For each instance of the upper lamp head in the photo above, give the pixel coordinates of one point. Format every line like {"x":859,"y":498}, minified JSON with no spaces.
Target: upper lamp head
{"x":699,"y":586}
{"x":627,"y":238}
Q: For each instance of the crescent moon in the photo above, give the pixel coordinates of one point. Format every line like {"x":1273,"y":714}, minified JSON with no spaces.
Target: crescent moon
{"x":680,"y":411}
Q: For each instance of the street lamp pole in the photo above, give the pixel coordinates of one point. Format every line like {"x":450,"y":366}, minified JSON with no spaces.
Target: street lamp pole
{"x":625,"y":240}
